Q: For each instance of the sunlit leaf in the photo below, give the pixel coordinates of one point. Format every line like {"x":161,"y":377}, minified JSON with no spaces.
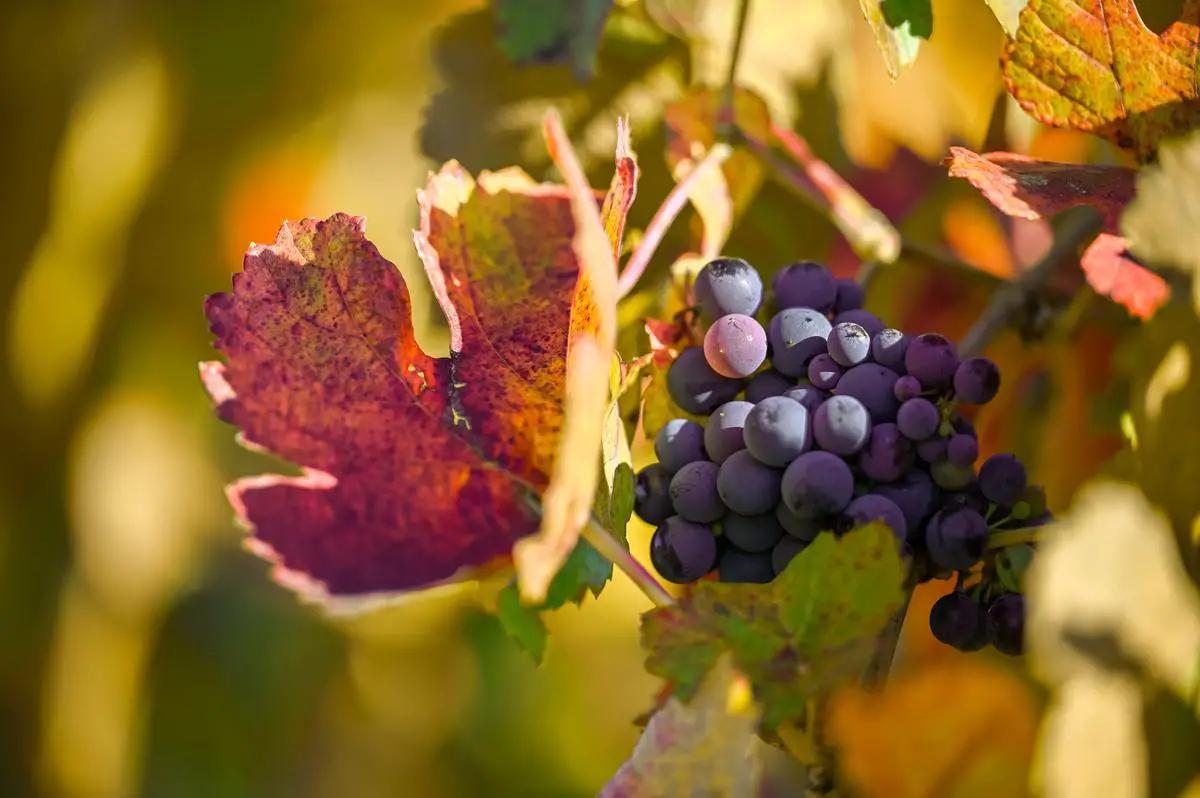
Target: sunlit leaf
{"x":1113,"y":272}
{"x":899,"y":26}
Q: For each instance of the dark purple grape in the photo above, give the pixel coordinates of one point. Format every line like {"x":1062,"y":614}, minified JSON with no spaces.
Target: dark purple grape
{"x":841,"y":425}
{"x":679,"y":442}
{"x":956,"y":620}
{"x":723,"y":433}
{"x":849,"y":344}
{"x":805,"y":284}
{"x":888,"y":348}
{"x":949,"y":476}
{"x":778,"y":431}
{"x":915,"y":495}
{"x":962,"y":451}
{"x":868,"y":321}
{"x":817,"y":484}
{"x":888,"y":455}
{"x":797,"y":335}
{"x":932,"y":359}
{"x":976,"y":381}
{"x":873,"y":385}
{"x":1006,"y":624}
{"x":1002,"y":478}
{"x":808,"y":395}
{"x":963,"y":426}
{"x":931,"y":450}
{"x":850,"y":295}
{"x":652,"y":495}
{"x":966,"y":497}
{"x":695,"y":387}
{"x":907,"y":387}
{"x":918,"y":419}
{"x":956,"y":538}
{"x":728,"y":285}
{"x":805,"y":529}
{"x":694,"y":493}
{"x":735,"y":346}
{"x":785,"y":551}
{"x":824,"y":372}
{"x":873,"y":507}
{"x":739,"y":568}
{"x":753,"y":534}
{"x":746,"y":486}
{"x":681,"y":551}
{"x":767,"y":383}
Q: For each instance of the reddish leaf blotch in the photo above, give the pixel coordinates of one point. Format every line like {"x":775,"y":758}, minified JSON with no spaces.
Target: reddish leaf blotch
{"x":1113,"y":272}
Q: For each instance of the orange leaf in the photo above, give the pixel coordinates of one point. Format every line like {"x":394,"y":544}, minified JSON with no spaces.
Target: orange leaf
{"x":1113,"y":272}
{"x":1092,"y":65}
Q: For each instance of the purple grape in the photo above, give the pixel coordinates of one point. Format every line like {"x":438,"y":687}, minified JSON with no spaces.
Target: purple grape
{"x":808,"y":395}
{"x":682,"y":551}
{"x":932,"y":359}
{"x":968,"y":496}
{"x":931,"y":450}
{"x":915,"y":495}
{"x":956,"y":538}
{"x":850,"y":295}
{"x":1006,"y":624}
{"x":805,"y":529}
{"x":695,"y":387}
{"x":740,"y":568}
{"x":805,"y":284}
{"x":778,"y":431}
{"x":753,"y":534}
{"x":694,"y":493}
{"x":918,"y":419}
{"x":728,"y":285}
{"x":785,"y":551}
{"x":873,"y":507}
{"x":735,"y":346}
{"x":887,"y":456}
{"x":873,"y":385}
{"x":841,"y":425}
{"x":956,"y":620}
{"x":723,"y":433}
{"x":652,"y":494}
{"x":767,"y":383}
{"x":1002,"y":479}
{"x":824,"y":372}
{"x":963,"y":426}
{"x":888,"y":348}
{"x":797,"y":335}
{"x":679,"y":442}
{"x":907,"y":387}
{"x":817,"y":484}
{"x":949,"y":476}
{"x":976,"y":381}
{"x":746,"y":486}
{"x":868,"y":321}
{"x":962,"y":451}
{"x":849,"y":344}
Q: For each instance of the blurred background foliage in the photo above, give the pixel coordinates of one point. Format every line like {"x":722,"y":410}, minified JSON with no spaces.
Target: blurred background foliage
{"x":146,"y":144}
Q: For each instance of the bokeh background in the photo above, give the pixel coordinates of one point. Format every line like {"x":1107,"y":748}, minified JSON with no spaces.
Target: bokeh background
{"x":144,"y":145}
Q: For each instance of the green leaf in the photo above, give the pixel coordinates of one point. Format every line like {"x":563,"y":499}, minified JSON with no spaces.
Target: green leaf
{"x":811,"y":628}
{"x":898,"y":25}
{"x":522,"y":623}
{"x":915,"y":16}
{"x":552,"y":32}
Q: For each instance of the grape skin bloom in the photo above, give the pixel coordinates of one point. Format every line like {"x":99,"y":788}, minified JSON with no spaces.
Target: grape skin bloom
{"x":735,"y":346}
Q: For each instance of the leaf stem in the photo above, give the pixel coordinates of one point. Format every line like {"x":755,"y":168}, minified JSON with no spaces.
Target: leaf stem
{"x":1014,"y":537}
{"x":727,"y":115}
{"x":612,"y":549}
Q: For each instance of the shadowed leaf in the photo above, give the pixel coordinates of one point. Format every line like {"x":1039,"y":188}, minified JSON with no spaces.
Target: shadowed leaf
{"x":552,"y":32}
{"x":1093,"y":65}
{"x":522,"y":623}
{"x":811,"y":628}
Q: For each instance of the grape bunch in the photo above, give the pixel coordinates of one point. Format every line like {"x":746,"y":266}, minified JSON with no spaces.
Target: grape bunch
{"x":824,"y":419}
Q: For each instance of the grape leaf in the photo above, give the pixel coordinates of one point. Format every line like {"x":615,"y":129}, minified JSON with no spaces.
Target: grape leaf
{"x":416,"y":470}
{"x":1008,"y":13}
{"x":955,"y":728}
{"x":1092,"y":65}
{"x":1113,"y":272}
{"x":814,"y":626}
{"x":899,"y":26}
{"x":522,"y":622}
{"x":552,"y":32}
{"x":1161,"y":222}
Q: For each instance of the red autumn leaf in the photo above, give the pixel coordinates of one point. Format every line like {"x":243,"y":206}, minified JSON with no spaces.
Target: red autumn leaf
{"x":1093,"y":65}
{"x":417,"y":470}
{"x":1112,"y":271}
{"x":1030,"y":188}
